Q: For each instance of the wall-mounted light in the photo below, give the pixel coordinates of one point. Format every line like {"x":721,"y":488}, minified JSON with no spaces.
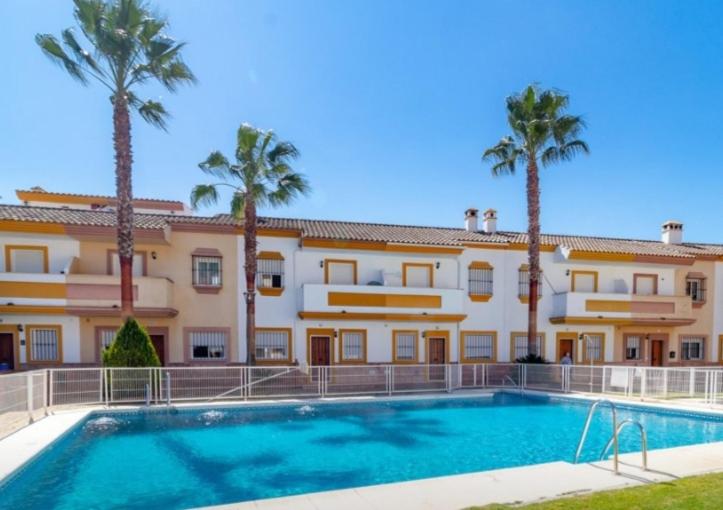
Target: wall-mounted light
{"x":567,"y":273}
{"x":437,"y":264}
{"x":336,"y":333}
{"x":647,"y":337}
{"x":321,"y":264}
{"x":20,"y":328}
{"x":154,"y":255}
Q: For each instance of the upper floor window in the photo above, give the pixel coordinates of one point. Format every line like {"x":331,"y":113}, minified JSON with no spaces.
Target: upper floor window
{"x":270,"y":270}
{"x":139,"y":263}
{"x":44,"y":344}
{"x":417,"y":275}
{"x":523,"y":282}
{"x":26,"y":259}
{"x":340,"y":272}
{"x":584,"y":281}
{"x":645,"y":284}
{"x":695,"y":288}
{"x":480,"y":279}
{"x":207,"y":271}
{"x":521,"y":348}
{"x":273,"y":345}
{"x":692,"y":348}
{"x":208,"y":344}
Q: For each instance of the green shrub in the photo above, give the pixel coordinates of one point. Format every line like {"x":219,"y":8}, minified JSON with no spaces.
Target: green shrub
{"x":132,"y":347}
{"x":531,"y":358}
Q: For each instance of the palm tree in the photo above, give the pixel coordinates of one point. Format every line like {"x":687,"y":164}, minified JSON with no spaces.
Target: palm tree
{"x":262,"y":176}
{"x":541,"y":131}
{"x":129,"y":48}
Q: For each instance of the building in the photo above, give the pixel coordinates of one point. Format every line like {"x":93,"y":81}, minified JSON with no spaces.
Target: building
{"x":347,"y":293}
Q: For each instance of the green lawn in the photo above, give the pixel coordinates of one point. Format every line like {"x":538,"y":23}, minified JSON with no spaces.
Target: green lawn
{"x":695,"y":493}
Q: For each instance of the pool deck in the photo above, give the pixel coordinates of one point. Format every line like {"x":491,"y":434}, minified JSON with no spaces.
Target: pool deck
{"x":511,"y":485}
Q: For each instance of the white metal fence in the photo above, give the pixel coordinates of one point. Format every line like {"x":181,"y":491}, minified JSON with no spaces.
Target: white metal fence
{"x":26,"y":396}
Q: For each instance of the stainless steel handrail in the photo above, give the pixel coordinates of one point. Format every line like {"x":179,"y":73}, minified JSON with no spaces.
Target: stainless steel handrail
{"x":514,"y":384}
{"x":254,"y":383}
{"x":643,"y":440}
{"x":585,"y":430}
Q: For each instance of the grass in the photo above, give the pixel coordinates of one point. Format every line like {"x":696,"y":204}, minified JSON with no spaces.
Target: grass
{"x":694,"y":493}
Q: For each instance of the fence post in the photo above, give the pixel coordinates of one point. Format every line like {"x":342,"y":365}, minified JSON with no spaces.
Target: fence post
{"x":691,"y":388}
{"x":665,"y":383}
{"x":643,"y":384}
{"x":602,"y":384}
{"x":29,"y":394}
{"x":45,"y":392}
{"x":388,"y":373}
{"x":50,"y":388}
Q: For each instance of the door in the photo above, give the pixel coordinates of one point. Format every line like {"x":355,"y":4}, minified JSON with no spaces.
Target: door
{"x":7,"y":351}
{"x":320,"y":354}
{"x":437,"y":355}
{"x":159,"y":344}
{"x":565,"y":346}
{"x":656,"y":353}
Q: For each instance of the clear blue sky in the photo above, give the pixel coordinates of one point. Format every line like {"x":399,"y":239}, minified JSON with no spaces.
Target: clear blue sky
{"x":392,"y":103}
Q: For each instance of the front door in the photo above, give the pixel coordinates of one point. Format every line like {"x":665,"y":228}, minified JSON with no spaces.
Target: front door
{"x":7,"y":350}
{"x":565,"y":346}
{"x":159,"y":344}
{"x":320,"y":355}
{"x":656,"y":353}
{"x":437,"y":355}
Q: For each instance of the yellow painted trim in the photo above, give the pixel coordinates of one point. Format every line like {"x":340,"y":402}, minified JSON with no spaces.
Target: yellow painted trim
{"x":480,"y":265}
{"x":270,"y":255}
{"x":615,"y":257}
{"x":621,"y":321}
{"x":328,"y":332}
{"x":526,"y":299}
{"x":13,"y":329}
{"x":32,"y":309}
{"x":28,"y":340}
{"x":33,"y":290}
{"x":10,"y":247}
{"x":462,"y":337}
{"x":289,"y":349}
{"x":435,"y":333}
{"x":379,"y":246}
{"x":34,"y":227}
{"x":343,"y":361}
{"x":513,"y":334}
{"x":602,"y":305}
{"x":270,"y":291}
{"x":429,"y":266}
{"x":268,"y":232}
{"x":585,"y":358}
{"x":401,"y":317}
{"x":480,"y":298}
{"x":524,"y":246}
{"x":566,"y":335}
{"x":395,"y":332}
{"x":339,"y":261}
{"x":581,"y":272}
{"x":384,"y":300}
{"x":60,"y":198}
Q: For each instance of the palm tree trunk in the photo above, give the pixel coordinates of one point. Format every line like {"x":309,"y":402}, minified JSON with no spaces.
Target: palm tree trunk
{"x":124,"y":196}
{"x":250,"y":268}
{"x":533,"y":249}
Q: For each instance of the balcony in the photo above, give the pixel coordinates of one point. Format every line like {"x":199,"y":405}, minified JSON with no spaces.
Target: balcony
{"x":621,"y":309}
{"x":83,"y":294}
{"x":377,"y":302}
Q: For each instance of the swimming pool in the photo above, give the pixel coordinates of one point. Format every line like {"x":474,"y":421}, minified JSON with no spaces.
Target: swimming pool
{"x":187,"y":458}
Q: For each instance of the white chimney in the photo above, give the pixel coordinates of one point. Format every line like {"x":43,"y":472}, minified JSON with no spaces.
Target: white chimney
{"x":489,"y":224}
{"x":672,"y":232}
{"x":470,"y":220}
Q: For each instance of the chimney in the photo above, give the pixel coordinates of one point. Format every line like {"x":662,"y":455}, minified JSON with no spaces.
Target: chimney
{"x":672,"y":232}
{"x":489,"y":224}
{"x":470,"y":219}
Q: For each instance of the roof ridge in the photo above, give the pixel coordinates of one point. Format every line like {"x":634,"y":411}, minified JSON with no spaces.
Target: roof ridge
{"x":87,"y":195}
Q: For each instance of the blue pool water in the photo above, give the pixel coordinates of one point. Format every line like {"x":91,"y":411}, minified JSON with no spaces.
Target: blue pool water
{"x":182,"y":459}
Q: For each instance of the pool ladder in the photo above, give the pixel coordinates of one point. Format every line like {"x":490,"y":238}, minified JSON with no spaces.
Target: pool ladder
{"x":613,"y":441}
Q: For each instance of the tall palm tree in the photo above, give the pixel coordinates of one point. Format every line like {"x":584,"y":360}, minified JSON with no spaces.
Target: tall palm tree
{"x":129,"y":48}
{"x":541,"y":132}
{"x":262,"y":176}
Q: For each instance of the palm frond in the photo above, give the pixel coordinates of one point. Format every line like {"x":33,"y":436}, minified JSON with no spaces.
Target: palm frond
{"x":281,"y":152}
{"x":247,"y":137}
{"x":216,"y":164}
{"x":154,"y":113}
{"x":204,"y":194}
{"x":288,"y":188}
{"x":52,"y":48}
{"x":238,"y":205}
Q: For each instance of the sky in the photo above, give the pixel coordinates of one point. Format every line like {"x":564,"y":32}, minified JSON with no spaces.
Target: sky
{"x":391,"y":105}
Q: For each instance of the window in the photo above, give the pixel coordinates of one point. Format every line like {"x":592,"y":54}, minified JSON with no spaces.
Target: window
{"x":480,"y":280}
{"x":106,"y":337}
{"x":273,"y":345}
{"x":692,"y":348}
{"x":26,"y":259}
{"x":594,"y":347}
{"x":44,"y":344}
{"x":524,"y":283}
{"x":695,"y":288}
{"x":206,"y":271}
{"x":139,"y":263}
{"x":417,"y":275}
{"x":270,"y":271}
{"x":353,"y":346}
{"x":340,"y":272}
{"x":632,"y":347}
{"x":478,"y":346}
{"x":405,"y":346}
{"x":520,"y":346}
{"x":208,"y":344}
{"x":645,"y":284}
{"x":584,"y":281}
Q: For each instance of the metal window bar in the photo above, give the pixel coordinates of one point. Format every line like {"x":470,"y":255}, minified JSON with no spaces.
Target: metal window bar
{"x":44,"y":344}
{"x":272,"y":345}
{"x":270,"y":274}
{"x":523,"y":288}
{"x":478,"y":347}
{"x":207,"y":271}
{"x":208,"y":345}
{"x":351,"y":346}
{"x":481,"y":282}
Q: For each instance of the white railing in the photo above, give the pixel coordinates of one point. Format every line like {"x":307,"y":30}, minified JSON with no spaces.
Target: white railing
{"x":27,"y":396}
